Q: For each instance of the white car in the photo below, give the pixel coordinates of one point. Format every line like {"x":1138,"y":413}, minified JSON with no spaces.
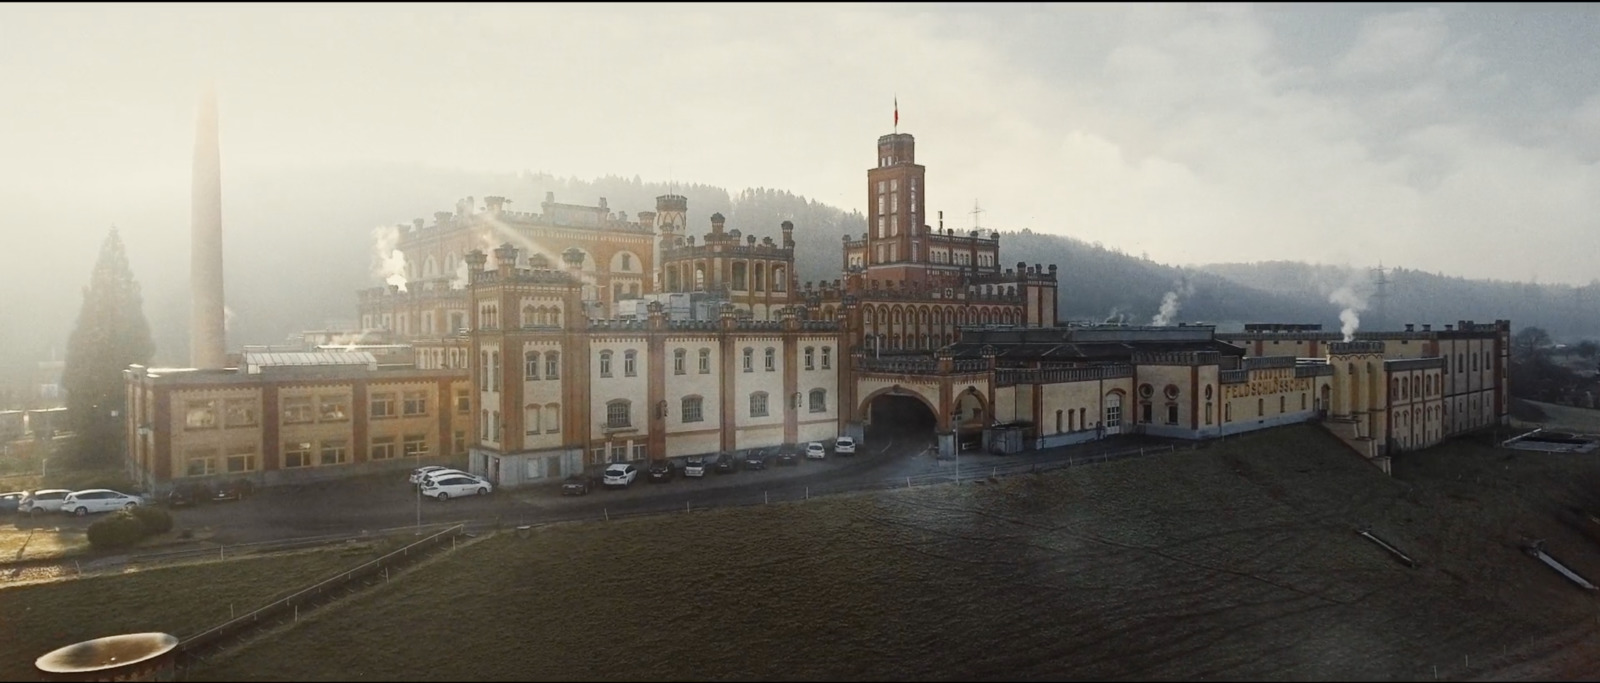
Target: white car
{"x":454,"y":486}
{"x":98,"y":500}
{"x":420,"y":472}
{"x":443,"y":472}
{"x":43,"y":500}
{"x":694,"y":467}
{"x":844,"y":445}
{"x":620,"y":474}
{"x":815,"y":450}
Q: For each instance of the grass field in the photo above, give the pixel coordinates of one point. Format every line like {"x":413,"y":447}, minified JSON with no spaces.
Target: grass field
{"x":1238,"y":561}
{"x":1565,"y":418}
{"x":181,"y":600}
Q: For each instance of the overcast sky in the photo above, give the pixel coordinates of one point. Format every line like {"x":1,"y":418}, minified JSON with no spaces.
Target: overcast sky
{"x":1453,"y":138}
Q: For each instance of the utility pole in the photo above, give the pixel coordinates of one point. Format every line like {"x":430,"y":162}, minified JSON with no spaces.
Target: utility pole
{"x":976,"y":212}
{"x":1381,"y":297}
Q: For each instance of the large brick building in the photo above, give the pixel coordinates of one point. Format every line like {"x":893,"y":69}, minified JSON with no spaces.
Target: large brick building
{"x":545,"y":343}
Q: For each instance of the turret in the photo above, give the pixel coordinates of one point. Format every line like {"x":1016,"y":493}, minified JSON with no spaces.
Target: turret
{"x":788,"y":234}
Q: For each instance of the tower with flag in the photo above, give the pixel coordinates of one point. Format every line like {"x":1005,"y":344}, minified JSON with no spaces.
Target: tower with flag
{"x":896,"y":113}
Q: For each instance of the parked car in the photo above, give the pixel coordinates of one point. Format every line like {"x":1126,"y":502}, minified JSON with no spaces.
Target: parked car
{"x":9,"y":502}
{"x":43,"y":500}
{"x":420,"y":472}
{"x":234,"y":489}
{"x":579,"y":484}
{"x":788,"y":458}
{"x":844,"y":445}
{"x":620,"y":474}
{"x":755,"y":460}
{"x":189,"y":493}
{"x":694,"y":467}
{"x":727,"y":464}
{"x":815,"y":451}
{"x":455,"y":486}
{"x":446,"y":472}
{"x":98,"y":500}
{"x":661,"y":470}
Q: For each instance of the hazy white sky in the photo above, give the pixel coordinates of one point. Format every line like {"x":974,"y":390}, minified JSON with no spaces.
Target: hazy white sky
{"x":1453,"y":138}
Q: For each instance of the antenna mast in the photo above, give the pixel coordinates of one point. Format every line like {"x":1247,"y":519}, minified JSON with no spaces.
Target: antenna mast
{"x":976,"y":212}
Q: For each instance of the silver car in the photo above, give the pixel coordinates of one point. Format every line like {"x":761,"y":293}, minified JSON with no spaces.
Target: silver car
{"x":99,"y":500}
{"x":43,"y":500}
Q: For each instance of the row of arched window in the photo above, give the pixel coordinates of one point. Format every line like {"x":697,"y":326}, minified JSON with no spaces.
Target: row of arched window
{"x":619,"y":412}
{"x":872,"y":316}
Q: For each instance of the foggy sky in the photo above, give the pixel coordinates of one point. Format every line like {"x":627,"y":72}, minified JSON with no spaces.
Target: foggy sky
{"x":1451,"y":138}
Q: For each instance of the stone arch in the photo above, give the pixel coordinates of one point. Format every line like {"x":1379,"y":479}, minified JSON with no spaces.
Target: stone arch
{"x":625,"y":261}
{"x":865,"y":407}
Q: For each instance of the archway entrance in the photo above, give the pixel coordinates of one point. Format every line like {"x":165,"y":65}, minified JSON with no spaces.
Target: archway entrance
{"x":900,"y":418}
{"x":968,"y":419}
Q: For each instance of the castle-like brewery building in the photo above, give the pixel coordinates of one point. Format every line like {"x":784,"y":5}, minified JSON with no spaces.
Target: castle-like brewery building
{"x":534,"y":345}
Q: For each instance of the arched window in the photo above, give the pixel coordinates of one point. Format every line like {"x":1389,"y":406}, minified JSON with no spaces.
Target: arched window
{"x":552,"y":365}
{"x":692,"y":406}
{"x":530,"y":419}
{"x":819,"y":400}
{"x":605,"y":363}
{"x":810,"y":354}
{"x":705,"y":361}
{"x":827,"y":357}
{"x":530,"y":365}
{"x":749,"y":359}
{"x":630,"y":363}
{"x":772,"y":359}
{"x":758,"y":404}
{"x":680,"y":361}
{"x":529,"y":316}
{"x":619,"y":414}
{"x":552,"y":418}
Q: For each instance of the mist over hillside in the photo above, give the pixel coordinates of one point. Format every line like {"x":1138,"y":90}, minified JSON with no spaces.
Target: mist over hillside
{"x":300,"y":243}
{"x":1567,"y":312}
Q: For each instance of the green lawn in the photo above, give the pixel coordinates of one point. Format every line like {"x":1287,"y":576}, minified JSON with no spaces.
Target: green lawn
{"x":1567,"y":418}
{"x":181,"y":600}
{"x":1235,"y":561}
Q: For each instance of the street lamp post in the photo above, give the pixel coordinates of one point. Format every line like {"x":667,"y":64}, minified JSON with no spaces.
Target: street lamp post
{"x":418,"y":463}
{"x":955,"y":439}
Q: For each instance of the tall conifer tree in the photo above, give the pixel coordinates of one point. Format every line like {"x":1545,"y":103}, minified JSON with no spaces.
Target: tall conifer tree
{"x":111,"y":333}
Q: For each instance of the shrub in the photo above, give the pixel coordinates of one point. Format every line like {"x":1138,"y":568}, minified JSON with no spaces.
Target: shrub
{"x":156,"y":520}
{"x":120,"y":529}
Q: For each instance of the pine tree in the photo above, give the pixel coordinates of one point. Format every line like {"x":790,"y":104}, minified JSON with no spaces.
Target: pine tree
{"x":111,"y":333}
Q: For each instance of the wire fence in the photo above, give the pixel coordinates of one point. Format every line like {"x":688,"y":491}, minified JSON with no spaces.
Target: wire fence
{"x":293,"y":600}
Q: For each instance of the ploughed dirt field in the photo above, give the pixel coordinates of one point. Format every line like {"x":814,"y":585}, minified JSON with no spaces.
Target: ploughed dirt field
{"x":1237,"y":561}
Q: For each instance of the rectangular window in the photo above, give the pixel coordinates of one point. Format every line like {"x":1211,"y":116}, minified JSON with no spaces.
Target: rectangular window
{"x":530,"y":366}
{"x":415,"y":446}
{"x":383,"y":448}
{"x":705,"y":361}
{"x":241,"y":412}
{"x":416,"y":403}
{"x":241,"y":459}
{"x":758,"y":405}
{"x":552,"y":365}
{"x":691,"y":410}
{"x":1172,"y":413}
{"x":333,"y":408}
{"x":810,"y":358}
{"x":749,"y":360}
{"x":297,"y":410}
{"x":638,"y":451}
{"x":552,"y":418}
{"x":827,"y":357}
{"x":333,"y":452}
{"x":200,"y":415}
{"x":679,"y":361}
{"x":605,"y":364}
{"x":819,"y":401}
{"x":201,"y":462}
{"x":630,"y":365}
{"x":619,"y":452}
{"x":772,"y":360}
{"x":382,"y":406}
{"x":464,"y":401}
{"x":297,"y":454}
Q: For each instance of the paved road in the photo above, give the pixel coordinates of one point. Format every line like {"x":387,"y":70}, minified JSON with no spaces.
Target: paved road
{"x":389,"y":502}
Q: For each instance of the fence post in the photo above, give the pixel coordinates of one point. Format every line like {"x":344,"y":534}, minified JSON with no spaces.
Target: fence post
{"x":686,"y":506}
{"x":607,"y":512}
{"x":230,"y":611}
{"x":297,"y":613}
{"x":908,"y":481}
{"x":765,"y":499}
{"x":222,"y":552}
{"x":808,"y":493}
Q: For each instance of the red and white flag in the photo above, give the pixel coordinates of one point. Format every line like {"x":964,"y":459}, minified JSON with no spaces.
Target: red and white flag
{"x":896,"y":111}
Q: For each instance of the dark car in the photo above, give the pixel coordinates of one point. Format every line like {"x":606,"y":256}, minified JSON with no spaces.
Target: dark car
{"x":10,"y":501}
{"x":662,"y":470}
{"x":788,"y":458}
{"x":755,"y":460}
{"x":235,"y":489}
{"x":189,"y":493}
{"x":579,"y":484}
{"x":727,"y":464}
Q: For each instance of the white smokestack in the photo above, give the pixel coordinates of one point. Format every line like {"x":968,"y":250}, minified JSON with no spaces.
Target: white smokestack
{"x":207,"y":330}
{"x":227,"y":318}
{"x":1354,"y":303}
{"x":388,"y":263}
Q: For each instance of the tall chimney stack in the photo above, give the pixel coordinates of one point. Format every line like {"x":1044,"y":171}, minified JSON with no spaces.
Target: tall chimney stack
{"x":207,"y":336}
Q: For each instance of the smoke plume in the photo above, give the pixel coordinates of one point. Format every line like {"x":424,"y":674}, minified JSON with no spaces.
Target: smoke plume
{"x":388,"y":263}
{"x":1170,"y":301}
{"x":1354,"y":303}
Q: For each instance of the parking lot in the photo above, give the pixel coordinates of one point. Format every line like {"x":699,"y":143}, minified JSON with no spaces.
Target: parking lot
{"x":389,"y":502}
